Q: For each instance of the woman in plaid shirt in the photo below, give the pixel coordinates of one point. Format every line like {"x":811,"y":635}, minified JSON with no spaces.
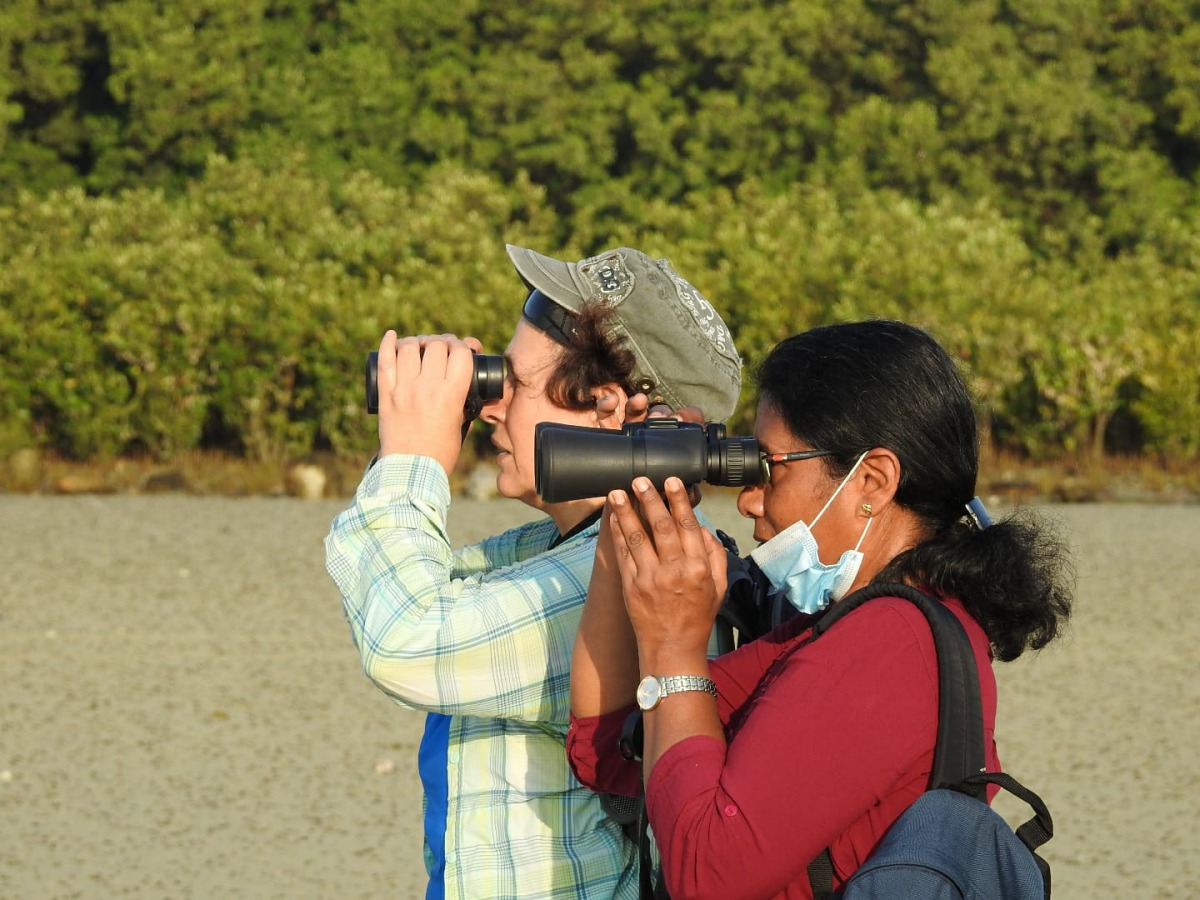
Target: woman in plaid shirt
{"x":480,"y":637}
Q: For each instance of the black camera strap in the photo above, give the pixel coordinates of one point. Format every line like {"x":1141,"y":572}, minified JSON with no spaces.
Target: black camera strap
{"x":588,"y":521}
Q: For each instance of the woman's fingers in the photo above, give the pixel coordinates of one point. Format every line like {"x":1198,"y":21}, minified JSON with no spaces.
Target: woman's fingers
{"x":620,"y":518}
{"x":690,"y":414}
{"x":386,"y":372}
{"x":633,"y":546}
{"x":662,"y":549}
{"x":407,"y":357}
{"x":689,"y":530}
{"x":666,"y":530}
{"x":658,"y":520}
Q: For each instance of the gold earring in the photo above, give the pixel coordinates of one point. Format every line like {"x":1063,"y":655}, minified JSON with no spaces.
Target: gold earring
{"x":866,"y":508}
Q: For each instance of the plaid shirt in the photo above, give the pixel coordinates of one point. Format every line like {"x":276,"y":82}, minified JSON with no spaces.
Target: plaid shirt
{"x":483,"y":634}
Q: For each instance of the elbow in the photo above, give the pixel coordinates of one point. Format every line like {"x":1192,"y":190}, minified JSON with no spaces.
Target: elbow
{"x":400,"y":680}
{"x":707,"y":853}
{"x":595,"y":758}
{"x":376,"y":667}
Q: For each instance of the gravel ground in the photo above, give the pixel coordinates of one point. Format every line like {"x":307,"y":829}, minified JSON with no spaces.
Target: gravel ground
{"x":183,"y":715}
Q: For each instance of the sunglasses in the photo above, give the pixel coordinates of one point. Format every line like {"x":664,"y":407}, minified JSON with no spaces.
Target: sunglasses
{"x":767,"y":460}
{"x":557,"y":321}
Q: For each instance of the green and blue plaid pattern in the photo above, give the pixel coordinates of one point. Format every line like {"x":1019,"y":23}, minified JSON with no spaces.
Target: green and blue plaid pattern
{"x":483,"y":634}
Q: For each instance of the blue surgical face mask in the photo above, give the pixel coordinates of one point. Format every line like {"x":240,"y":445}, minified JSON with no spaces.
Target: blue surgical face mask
{"x":791,"y":561}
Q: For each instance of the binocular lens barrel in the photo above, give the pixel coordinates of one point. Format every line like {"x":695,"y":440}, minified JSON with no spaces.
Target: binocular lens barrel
{"x":487,"y":383}
{"x":572,"y":462}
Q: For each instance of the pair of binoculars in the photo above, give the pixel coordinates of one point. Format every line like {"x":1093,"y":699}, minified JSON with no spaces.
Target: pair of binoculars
{"x":487,"y":383}
{"x":572,"y":462}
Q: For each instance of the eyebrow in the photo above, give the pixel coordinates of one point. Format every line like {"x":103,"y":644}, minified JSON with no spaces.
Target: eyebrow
{"x":511,"y":371}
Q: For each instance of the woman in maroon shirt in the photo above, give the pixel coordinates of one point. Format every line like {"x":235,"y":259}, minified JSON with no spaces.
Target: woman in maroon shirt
{"x":870,"y":443}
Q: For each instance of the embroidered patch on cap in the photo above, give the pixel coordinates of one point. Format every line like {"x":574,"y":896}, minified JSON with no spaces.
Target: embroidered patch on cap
{"x":610,"y":280}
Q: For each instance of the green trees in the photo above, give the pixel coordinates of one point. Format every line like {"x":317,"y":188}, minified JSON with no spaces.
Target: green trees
{"x":240,"y":314}
{"x":209,"y":211}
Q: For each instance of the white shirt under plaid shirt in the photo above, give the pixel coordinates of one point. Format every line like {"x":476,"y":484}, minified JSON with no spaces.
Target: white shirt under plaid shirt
{"x":483,"y":634}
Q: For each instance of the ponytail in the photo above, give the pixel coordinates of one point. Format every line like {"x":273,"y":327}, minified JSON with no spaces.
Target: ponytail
{"x":1013,"y":576}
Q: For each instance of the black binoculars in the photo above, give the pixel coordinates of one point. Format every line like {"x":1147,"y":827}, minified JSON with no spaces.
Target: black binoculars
{"x":572,"y":462}
{"x":487,"y":383}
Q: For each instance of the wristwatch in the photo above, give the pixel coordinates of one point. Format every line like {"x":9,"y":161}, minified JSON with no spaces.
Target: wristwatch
{"x":652,"y":689}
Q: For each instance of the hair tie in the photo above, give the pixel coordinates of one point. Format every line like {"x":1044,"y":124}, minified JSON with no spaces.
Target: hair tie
{"x":978,"y":515}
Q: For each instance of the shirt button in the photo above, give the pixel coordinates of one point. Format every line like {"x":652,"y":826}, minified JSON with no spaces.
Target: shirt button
{"x":451,"y":856}
{"x":730,"y":809}
{"x":453,"y":757}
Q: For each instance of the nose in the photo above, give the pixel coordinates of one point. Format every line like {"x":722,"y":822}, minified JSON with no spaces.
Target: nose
{"x":494,"y":411}
{"x":750,"y":501}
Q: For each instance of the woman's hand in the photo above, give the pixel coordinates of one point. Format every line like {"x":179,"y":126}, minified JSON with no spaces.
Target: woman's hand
{"x":423,"y":385}
{"x":672,"y":571}
{"x":638,"y":409}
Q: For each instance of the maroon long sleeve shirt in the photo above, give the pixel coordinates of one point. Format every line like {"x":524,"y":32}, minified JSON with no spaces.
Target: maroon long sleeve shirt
{"x":827,"y":744}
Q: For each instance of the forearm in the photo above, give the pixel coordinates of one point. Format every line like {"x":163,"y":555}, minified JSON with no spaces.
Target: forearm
{"x":681,"y":715}
{"x":604,"y":666}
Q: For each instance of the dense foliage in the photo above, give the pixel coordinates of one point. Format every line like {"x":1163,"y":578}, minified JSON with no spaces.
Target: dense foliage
{"x":210,"y":211}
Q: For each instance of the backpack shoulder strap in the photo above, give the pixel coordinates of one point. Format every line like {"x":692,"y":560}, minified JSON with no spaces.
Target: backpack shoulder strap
{"x":959,"y":751}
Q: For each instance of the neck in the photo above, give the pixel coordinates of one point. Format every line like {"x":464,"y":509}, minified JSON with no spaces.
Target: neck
{"x":567,"y":515}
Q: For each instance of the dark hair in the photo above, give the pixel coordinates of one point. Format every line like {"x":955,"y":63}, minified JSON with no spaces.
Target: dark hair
{"x":596,"y":356}
{"x":852,"y":387}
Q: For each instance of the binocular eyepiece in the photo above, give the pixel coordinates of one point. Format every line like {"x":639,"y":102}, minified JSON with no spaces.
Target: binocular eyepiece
{"x":572,"y":462}
{"x":487,"y":383}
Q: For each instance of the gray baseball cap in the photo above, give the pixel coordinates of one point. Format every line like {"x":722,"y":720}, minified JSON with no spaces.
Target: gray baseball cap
{"x":684,"y":351}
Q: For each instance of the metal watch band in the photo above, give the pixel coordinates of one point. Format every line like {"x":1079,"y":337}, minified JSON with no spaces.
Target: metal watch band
{"x":676,"y":684}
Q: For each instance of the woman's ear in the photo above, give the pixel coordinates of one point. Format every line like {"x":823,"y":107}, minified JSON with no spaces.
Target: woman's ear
{"x":878,"y":479}
{"x":609,"y":400}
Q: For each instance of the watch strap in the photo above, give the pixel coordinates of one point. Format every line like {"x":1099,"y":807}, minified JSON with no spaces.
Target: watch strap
{"x":677,"y":684}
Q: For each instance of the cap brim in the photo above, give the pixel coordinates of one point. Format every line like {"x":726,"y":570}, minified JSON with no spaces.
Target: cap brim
{"x":553,"y":277}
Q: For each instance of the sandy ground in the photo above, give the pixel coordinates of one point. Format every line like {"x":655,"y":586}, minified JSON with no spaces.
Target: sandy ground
{"x":182,"y":713}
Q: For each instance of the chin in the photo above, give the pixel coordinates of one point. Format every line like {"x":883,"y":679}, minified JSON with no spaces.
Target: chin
{"x":506,"y":486}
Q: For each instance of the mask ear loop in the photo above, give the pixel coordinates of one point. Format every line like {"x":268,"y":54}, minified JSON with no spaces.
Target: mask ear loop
{"x":833,"y":496}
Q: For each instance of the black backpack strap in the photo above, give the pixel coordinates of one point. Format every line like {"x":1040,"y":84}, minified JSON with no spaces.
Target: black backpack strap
{"x":959,"y":752}
{"x":820,"y":875}
{"x":1037,"y":830}
{"x":645,"y":861}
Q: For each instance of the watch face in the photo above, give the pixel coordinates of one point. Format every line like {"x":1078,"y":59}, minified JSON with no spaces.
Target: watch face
{"x":649,"y":692}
